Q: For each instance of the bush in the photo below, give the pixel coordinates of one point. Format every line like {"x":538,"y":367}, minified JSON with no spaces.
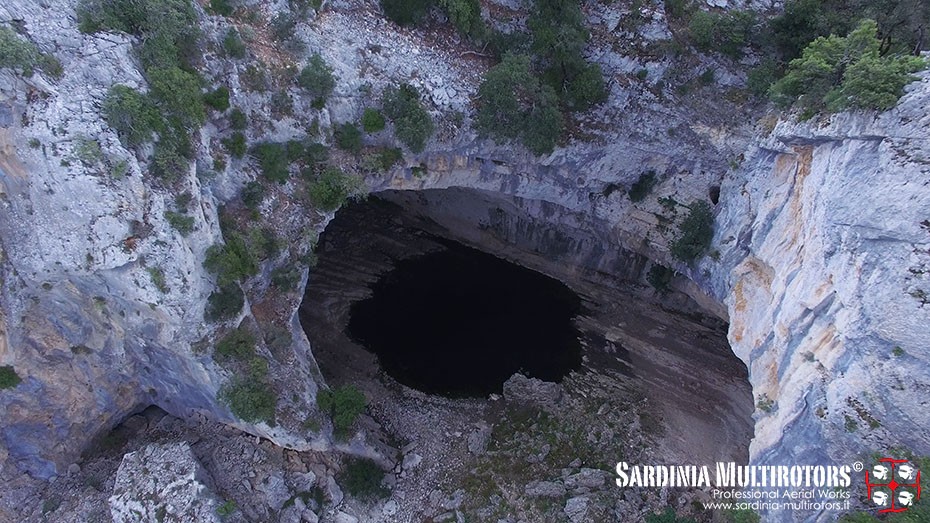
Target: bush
{"x":178,"y":94}
{"x":695,"y":233}
{"x":281,"y":104}
{"x":252,"y":194}
{"x":406,"y":12}
{"x":131,"y":114}
{"x":349,"y":138}
{"x":233,"y":44}
{"x":643,"y":186}
{"x":158,"y":279}
{"x":836,"y":73}
{"x":231,"y":261}
{"x":16,"y":53}
{"x":317,"y":79}
{"x":332,"y":188}
{"x":218,"y":99}
{"x":465,"y":15}
{"x":343,"y":405}
{"x":361,"y":478}
{"x":728,"y":33}
{"x":272,"y":160}
{"x":251,"y":397}
{"x":221,"y":7}
{"x":515,"y":105}
{"x":412,"y":123}
{"x":8,"y":377}
{"x":372,"y":120}
{"x":182,"y":222}
{"x":235,"y":145}
{"x":224,"y":303}
{"x":660,"y":277}
{"x":238,"y":120}
{"x":238,"y":345}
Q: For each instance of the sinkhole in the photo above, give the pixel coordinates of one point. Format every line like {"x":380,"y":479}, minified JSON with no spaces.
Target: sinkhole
{"x":459,"y":322}
{"x":450,"y":292}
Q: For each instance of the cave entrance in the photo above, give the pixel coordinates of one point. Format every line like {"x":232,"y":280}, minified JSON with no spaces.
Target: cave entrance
{"x":401,"y":305}
{"x":459,"y":322}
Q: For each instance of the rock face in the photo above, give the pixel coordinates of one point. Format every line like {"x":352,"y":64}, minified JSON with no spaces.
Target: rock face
{"x":822,"y":235}
{"x":162,"y":483}
{"x":825,"y":250}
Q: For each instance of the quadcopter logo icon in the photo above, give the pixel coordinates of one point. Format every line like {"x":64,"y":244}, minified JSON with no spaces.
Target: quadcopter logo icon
{"x":896,"y":479}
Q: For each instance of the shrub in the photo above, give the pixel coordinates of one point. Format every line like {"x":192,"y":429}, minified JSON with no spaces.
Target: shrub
{"x":660,"y":277}
{"x":559,"y":36}
{"x":87,"y":150}
{"x":465,"y":15}
{"x":332,"y":188}
{"x":233,"y":44}
{"x":372,"y":120}
{"x":728,"y":33}
{"x":317,"y":78}
{"x":238,"y":345}
{"x":182,"y":222}
{"x":250,"y":397}
{"x":515,"y":105}
{"x":695,"y":233}
{"x":343,"y":405}
{"x":238,"y":120}
{"x":272,"y":160}
{"x":349,"y":138}
{"x":643,"y":186}
{"x":362,"y":479}
{"x":235,"y":144}
{"x":218,"y":99}
{"x":224,"y":303}
{"x":131,"y":114}
{"x":669,"y":516}
{"x":231,"y":261}
{"x":281,"y":104}
{"x":285,"y":278}
{"x":412,"y":123}
{"x":158,"y":279}
{"x":221,"y":7}
{"x":227,"y":508}
{"x":178,"y":94}
{"x":16,"y":53}
{"x":252,"y":194}
{"x":406,"y":12}
{"x":835,"y":73}
{"x":8,"y":377}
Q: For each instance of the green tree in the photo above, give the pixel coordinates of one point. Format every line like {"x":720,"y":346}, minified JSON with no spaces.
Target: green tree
{"x":332,"y":188}
{"x":238,"y":345}
{"x":218,"y":98}
{"x":16,"y":53}
{"x":317,"y":78}
{"x":224,"y":303}
{"x":836,"y":73}
{"x":178,"y":94}
{"x":233,"y":44}
{"x":343,"y":405}
{"x":695,"y":233}
{"x":406,"y":12}
{"x":412,"y":123}
{"x":232,"y":261}
{"x":372,"y":120}
{"x":349,"y":138}
{"x":8,"y":377}
{"x":131,"y":114}
{"x":515,"y":105}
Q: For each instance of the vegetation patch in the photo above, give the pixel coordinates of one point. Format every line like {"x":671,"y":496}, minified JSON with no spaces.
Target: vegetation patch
{"x":343,"y":405}
{"x":224,"y":303}
{"x":8,"y":377}
{"x":317,"y":79}
{"x":643,"y":186}
{"x":249,"y":394}
{"x":412,"y":123}
{"x":695,"y":233}
{"x":362,"y":479}
{"x":333,"y":187}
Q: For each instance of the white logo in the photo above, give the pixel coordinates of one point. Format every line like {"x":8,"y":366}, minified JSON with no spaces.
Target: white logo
{"x":906,"y":471}
{"x":905,"y":498}
{"x":880,"y":498}
{"x":880,"y":472}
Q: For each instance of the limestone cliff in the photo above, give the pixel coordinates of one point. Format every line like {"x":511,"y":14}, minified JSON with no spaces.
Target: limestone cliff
{"x":821,"y":261}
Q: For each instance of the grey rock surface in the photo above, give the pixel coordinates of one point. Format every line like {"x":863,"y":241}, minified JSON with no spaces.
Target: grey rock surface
{"x":162,"y":483}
